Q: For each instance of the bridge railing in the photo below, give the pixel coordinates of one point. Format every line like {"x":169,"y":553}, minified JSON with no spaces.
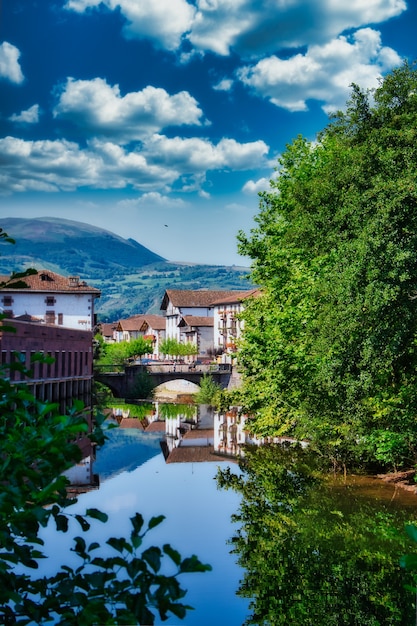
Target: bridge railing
{"x":165,"y":368}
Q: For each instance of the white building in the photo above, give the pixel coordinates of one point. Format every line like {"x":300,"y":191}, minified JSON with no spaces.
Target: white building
{"x":148,"y":326}
{"x":227,"y":325}
{"x":51,"y":299}
{"x":184,"y":310}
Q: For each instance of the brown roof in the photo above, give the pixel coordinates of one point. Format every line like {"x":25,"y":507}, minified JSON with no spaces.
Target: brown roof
{"x":194,"y":320}
{"x":194,"y":454}
{"x":238,"y":296}
{"x":130,"y":324}
{"x":46,"y":281}
{"x":156,"y":322}
{"x":107,"y":329}
{"x":155,"y":427}
{"x":191,"y":298}
{"x":142,"y":322}
{"x":199,"y":433}
{"x":131,"y":422}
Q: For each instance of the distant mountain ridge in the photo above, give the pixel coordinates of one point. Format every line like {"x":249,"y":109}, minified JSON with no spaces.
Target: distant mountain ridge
{"x":131,"y":277}
{"x":70,"y":245}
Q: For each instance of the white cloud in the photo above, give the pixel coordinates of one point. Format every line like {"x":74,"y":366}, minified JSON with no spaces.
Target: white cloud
{"x":255,"y":186}
{"x":29,"y":116}
{"x":324,"y":73}
{"x":155,"y":166}
{"x":192,"y":155}
{"x":63,"y":165}
{"x":153,"y":198}
{"x":9,"y":63}
{"x":163,"y":21}
{"x":251,"y":28}
{"x":223,"y":85}
{"x":99,"y":108}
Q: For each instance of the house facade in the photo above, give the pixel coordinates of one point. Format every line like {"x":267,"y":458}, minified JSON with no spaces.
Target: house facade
{"x":227,"y":325}
{"x":148,"y":326}
{"x":51,"y":299}
{"x":183,"y":307}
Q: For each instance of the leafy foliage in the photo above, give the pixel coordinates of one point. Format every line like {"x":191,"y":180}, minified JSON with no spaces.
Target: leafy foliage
{"x":119,"y":353}
{"x":314,"y":552}
{"x":209,"y":391}
{"x":329,"y":349}
{"x":173,"y":348}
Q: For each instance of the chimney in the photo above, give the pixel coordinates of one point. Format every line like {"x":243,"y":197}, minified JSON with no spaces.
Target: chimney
{"x":74,"y":281}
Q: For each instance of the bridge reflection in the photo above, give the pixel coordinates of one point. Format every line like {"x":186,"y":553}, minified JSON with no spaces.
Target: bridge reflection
{"x":121,"y":380}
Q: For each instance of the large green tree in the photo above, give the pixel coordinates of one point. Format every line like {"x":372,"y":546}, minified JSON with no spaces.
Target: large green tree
{"x":329,"y":349}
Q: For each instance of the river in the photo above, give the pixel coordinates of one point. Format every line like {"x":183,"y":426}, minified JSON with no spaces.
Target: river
{"x":135,"y":477}
{"x":295,"y":542}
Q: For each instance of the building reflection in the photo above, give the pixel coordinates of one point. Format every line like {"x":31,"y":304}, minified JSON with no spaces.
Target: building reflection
{"x":188,"y":434}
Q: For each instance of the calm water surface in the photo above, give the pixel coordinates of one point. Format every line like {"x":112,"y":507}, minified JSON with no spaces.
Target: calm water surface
{"x":134,"y":477}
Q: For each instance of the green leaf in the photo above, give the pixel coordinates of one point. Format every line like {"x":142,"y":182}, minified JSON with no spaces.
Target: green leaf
{"x":155,"y":521}
{"x":82,"y":522}
{"x":96,"y":514}
{"x":120,"y":544}
{"x":193,"y":564}
{"x":173,"y":554}
{"x":153,"y":557}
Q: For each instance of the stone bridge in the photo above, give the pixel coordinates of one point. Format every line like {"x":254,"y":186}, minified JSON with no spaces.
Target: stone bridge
{"x":122,"y":383}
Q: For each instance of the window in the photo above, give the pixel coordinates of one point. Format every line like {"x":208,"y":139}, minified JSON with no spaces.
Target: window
{"x":50,"y":317}
{"x":7,"y":300}
{"x":60,"y":318}
{"x":50,"y":301}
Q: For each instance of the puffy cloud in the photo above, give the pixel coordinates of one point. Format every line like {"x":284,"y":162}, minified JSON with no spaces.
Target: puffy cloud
{"x":159,"y":164}
{"x":193,"y":155}
{"x":255,"y":186}
{"x":165,"y":21}
{"x":224,"y":85}
{"x":62,"y":165}
{"x":153,"y":198}
{"x":99,"y":108}
{"x":324,"y":73}
{"x":9,"y":63}
{"x":30,"y":116}
{"x":251,"y":28}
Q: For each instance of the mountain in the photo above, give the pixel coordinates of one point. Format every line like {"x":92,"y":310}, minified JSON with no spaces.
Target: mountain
{"x":131,"y":277}
{"x":74,"y":247}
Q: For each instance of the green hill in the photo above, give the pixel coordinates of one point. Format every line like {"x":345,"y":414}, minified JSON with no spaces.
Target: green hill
{"x":131,"y":277}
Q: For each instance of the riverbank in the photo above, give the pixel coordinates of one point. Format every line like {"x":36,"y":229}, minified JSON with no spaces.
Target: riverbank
{"x":405,"y":479}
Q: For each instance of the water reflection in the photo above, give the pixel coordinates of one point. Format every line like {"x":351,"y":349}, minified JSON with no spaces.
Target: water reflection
{"x":161,"y":460}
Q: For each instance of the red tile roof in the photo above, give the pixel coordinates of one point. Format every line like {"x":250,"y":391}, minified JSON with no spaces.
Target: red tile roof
{"x":155,"y":427}
{"x":237,"y":297}
{"x":142,"y":323}
{"x":47,"y":281}
{"x":191,"y":298}
{"x":131,"y":422}
{"x":194,"y":320}
{"x":194,"y":454}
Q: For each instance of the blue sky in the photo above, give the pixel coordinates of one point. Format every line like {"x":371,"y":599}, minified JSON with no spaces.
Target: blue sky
{"x":162,"y":120}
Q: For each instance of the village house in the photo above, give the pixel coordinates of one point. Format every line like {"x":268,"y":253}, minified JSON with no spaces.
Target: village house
{"x":227,"y":325}
{"x":185,"y":312}
{"x":148,"y":326}
{"x":50,"y":299}
{"x":108,"y":331}
{"x":52,"y":315}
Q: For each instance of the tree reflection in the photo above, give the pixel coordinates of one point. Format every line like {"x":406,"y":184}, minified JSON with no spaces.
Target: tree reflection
{"x":313,"y":554}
